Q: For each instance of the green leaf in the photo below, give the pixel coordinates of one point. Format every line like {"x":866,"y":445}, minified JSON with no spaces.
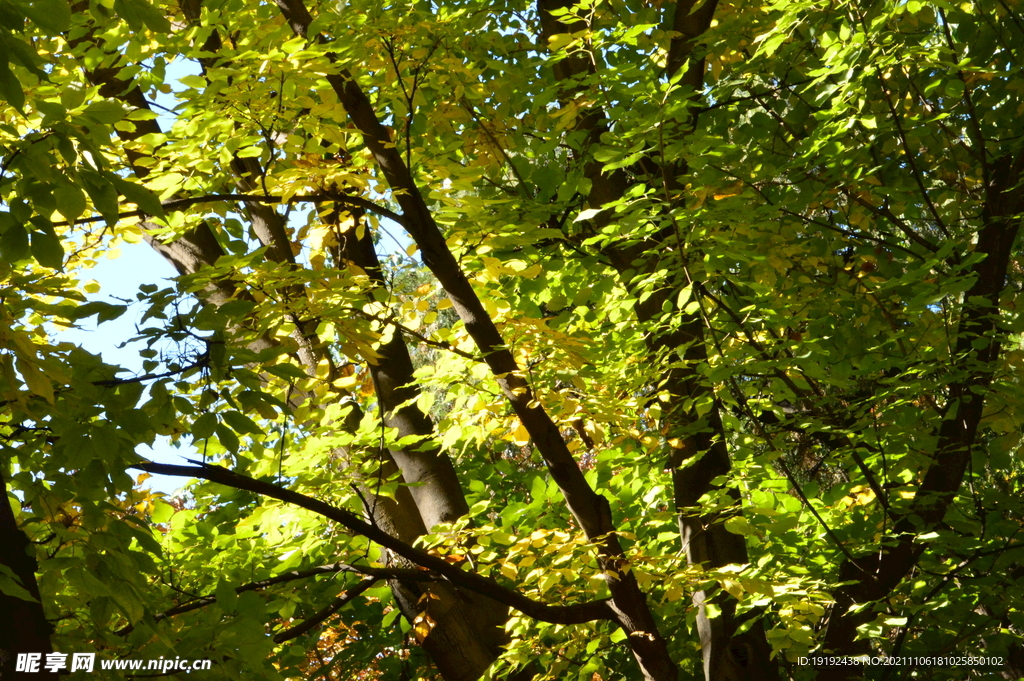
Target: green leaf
{"x":19,"y":51}
{"x":162,"y":512}
{"x":106,"y":111}
{"x":134,"y":421}
{"x":738,"y":525}
{"x":103,"y":195}
{"x":48,"y":250}
{"x":203,"y":426}
{"x":241,"y":423}
{"x":684,"y":295}
{"x":140,"y":13}
{"x":227,"y":437}
{"x":72,"y":96}
{"x":52,"y":16}
{"x":389,"y":619}
{"x":538,"y":488}
{"x":151,"y":16}
{"x":147,"y":201}
{"x":193,"y":81}
{"x":14,"y":243}
{"x":10,"y":87}
{"x":70,"y":200}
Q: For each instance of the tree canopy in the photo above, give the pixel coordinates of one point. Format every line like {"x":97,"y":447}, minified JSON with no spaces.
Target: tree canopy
{"x":610,"y":339}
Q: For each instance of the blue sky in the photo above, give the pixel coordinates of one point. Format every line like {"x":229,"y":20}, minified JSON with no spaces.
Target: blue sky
{"x":138,"y":264}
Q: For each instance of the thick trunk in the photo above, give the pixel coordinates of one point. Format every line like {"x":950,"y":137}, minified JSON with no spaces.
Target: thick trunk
{"x":467,"y":634}
{"x":23,"y":625}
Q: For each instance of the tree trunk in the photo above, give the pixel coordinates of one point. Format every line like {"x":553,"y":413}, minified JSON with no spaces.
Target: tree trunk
{"x":978,"y":343}
{"x":726,"y":656}
{"x":467,"y":636}
{"x":23,"y":624}
{"x":467,"y":633}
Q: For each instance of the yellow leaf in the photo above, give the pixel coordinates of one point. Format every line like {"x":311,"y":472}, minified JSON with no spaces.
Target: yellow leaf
{"x":36,"y":380}
{"x":321,"y":236}
{"x":422,"y":626}
{"x":531,"y":271}
{"x":734,"y":588}
{"x":347,"y":382}
{"x":559,"y":40}
{"x":734,"y":189}
{"x":521,"y":436}
{"x":859,"y":496}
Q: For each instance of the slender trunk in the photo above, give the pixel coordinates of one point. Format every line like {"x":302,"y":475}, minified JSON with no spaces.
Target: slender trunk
{"x":873,"y":577}
{"x":726,"y":655}
{"x":591,"y":510}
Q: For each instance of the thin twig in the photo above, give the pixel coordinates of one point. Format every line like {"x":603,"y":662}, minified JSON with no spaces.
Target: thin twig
{"x":180,"y":204}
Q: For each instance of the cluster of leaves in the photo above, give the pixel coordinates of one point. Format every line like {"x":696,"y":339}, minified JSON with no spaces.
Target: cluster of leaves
{"x":788,"y":236}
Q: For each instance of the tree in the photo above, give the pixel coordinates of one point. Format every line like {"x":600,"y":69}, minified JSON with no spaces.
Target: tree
{"x":702,"y":356}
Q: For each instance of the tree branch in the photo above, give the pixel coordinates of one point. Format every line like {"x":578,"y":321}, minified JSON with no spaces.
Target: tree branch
{"x":558,"y":614}
{"x":441,"y":345}
{"x":337,"y":604}
{"x":181,"y":204}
